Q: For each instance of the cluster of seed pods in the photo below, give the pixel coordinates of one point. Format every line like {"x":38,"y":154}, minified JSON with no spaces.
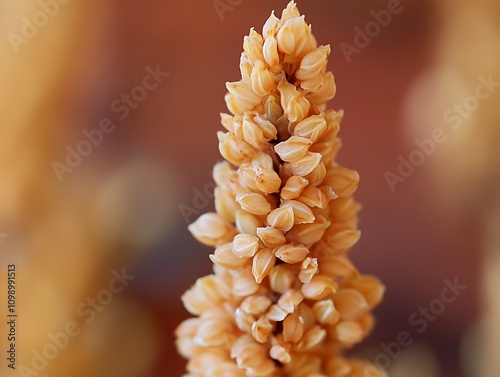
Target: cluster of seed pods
{"x":284,"y":298}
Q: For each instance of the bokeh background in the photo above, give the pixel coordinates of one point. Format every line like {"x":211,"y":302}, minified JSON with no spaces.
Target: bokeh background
{"x":128,"y":202}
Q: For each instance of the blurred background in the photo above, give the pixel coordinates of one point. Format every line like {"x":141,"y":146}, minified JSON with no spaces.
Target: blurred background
{"x":109,"y":113}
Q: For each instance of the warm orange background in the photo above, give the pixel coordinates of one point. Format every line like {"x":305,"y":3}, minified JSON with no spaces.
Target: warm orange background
{"x":411,"y":238}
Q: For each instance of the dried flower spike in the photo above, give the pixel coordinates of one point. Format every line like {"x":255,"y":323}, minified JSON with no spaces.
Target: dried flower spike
{"x":284,"y":299}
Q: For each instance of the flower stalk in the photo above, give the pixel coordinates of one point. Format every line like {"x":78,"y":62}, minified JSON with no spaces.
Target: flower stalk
{"x":284,"y":298}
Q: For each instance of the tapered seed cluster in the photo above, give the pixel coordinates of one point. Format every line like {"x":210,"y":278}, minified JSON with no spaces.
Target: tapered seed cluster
{"x":284,"y":299}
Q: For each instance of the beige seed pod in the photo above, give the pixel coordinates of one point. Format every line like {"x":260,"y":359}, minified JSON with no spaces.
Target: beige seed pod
{"x":344,"y":210}
{"x":325,"y":312}
{"x":233,"y":149}
{"x":291,"y":253}
{"x":343,"y":181}
{"x":270,"y":26}
{"x":252,"y":133}
{"x":227,"y":121}
{"x":246,"y":67}
{"x":306,"y":164}
{"x":261,"y":329}
{"x":319,"y":288}
{"x":294,"y":105}
{"x":246,"y":179}
{"x":333,"y":119}
{"x":263,"y":262}
{"x":262,"y":79}
{"x":267,"y":180}
{"x":268,"y":129}
{"x":308,"y":234}
{"x":341,"y":238}
{"x":312,"y":338}
{"x":244,"y":284}
{"x":256,"y":305}
{"x":185,"y":334}
{"x":242,"y":344}
{"x":212,"y":333}
{"x":370,"y":287}
{"x":281,"y":218}
{"x":305,"y":46}
{"x":311,"y":128}
{"x":270,"y":51}
{"x":262,"y":159}
{"x":208,"y":293}
{"x":273,"y":109}
{"x":293,"y":187}
{"x":252,"y":45}
{"x":291,"y":34}
{"x":327,"y":149}
{"x":280,"y":279}
{"x":224,"y":256}
{"x":293,"y":149}
{"x":278,"y":352}
{"x":288,"y":13}
{"x":225,"y":205}
{"x":314,"y":197}
{"x":244,"y":320}
{"x":235,"y":107}
{"x":290,"y":300}
{"x":350,"y":303}
{"x":243,"y":93}
{"x":313,"y":84}
{"x":325,"y":93}
{"x":307,"y":314}
{"x":254,"y":203}
{"x":348,"y":332}
{"x":313,"y":63}
{"x":271,"y":237}
{"x":308,"y":269}
{"x":247,"y":223}
{"x":315,"y":178}
{"x":245,"y":245}
{"x":293,"y":328}
{"x":222,"y":173}
{"x":337,"y":266}
{"x":261,"y":366}
{"x":302,"y":213}
{"x":211,"y":229}
{"x":276,"y":313}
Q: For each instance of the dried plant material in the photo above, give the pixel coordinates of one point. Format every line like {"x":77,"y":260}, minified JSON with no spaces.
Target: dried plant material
{"x":211,"y":229}
{"x":256,"y":304}
{"x":245,"y":245}
{"x":292,"y":253}
{"x":293,"y":187}
{"x":263,"y":262}
{"x":224,"y":257}
{"x":271,"y":237}
{"x":294,"y":149}
{"x":284,"y":299}
{"x":282,"y":218}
